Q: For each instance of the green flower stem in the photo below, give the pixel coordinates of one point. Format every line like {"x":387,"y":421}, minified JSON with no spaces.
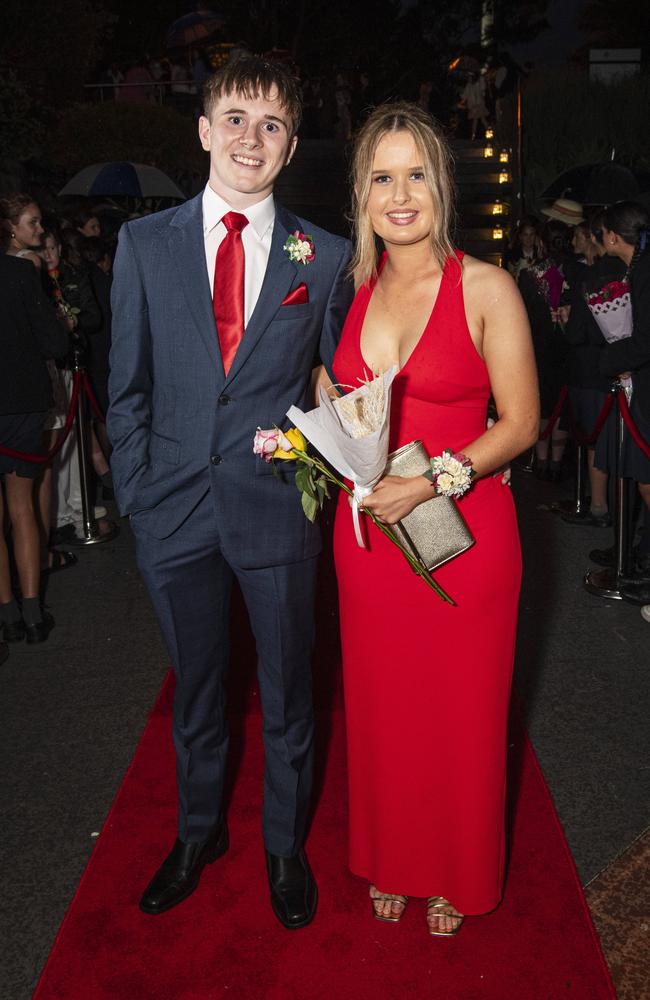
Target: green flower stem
{"x":415,"y":564}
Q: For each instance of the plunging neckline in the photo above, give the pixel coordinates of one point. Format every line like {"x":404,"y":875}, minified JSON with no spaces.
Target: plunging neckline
{"x":426,"y":326}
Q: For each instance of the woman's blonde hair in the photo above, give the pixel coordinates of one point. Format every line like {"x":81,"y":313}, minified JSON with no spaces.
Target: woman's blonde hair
{"x":437,"y":164}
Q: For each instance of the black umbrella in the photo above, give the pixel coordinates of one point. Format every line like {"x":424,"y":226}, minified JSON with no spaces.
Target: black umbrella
{"x":598,"y":184}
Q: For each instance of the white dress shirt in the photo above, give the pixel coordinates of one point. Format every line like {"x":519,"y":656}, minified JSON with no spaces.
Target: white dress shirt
{"x":256,"y":240}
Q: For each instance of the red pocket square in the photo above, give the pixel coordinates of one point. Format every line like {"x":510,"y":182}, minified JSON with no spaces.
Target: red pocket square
{"x":297,"y":296}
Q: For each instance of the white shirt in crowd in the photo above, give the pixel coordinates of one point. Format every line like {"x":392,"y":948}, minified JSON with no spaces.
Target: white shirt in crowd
{"x":256,"y":240}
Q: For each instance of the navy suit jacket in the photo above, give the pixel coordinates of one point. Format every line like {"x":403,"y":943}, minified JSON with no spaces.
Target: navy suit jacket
{"x":179,"y":426}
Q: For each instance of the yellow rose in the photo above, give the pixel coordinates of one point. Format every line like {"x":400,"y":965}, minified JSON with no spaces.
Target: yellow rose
{"x":294,"y":438}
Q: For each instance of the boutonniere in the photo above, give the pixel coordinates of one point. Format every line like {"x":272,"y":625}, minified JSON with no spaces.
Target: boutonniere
{"x":300,"y":248}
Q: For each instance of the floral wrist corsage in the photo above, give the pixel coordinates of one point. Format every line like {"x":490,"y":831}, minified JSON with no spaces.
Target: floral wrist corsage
{"x":451,"y":474}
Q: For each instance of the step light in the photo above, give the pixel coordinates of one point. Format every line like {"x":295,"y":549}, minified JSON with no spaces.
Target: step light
{"x":497,"y":233}
{"x":504,"y":177}
{"x":489,"y":133}
{"x":498,"y":208}
{"x":488,"y":152}
{"x":503,"y":156}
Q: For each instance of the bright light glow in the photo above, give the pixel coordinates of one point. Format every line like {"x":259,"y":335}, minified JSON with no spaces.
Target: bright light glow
{"x":488,"y":152}
{"x":497,"y":208}
{"x":503,"y":156}
{"x":497,"y":234}
{"x":489,"y":133}
{"x":504,"y":177}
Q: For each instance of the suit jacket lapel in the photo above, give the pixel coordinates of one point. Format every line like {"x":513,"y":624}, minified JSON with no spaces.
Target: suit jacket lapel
{"x":280,"y":275}
{"x":187,"y":247}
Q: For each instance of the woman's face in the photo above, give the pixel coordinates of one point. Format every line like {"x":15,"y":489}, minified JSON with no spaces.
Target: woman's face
{"x":91,"y":228}
{"x":27,"y":231}
{"x":400,"y":205}
{"x":50,"y":253}
{"x":527,"y":238}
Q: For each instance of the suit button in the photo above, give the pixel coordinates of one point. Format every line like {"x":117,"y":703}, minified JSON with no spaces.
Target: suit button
{"x":216,"y":459}
{"x":224,"y":400}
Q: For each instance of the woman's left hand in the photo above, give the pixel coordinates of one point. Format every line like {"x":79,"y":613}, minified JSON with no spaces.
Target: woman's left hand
{"x":396,"y":496}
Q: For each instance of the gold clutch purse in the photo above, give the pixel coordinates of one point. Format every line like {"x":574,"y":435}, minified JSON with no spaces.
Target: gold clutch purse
{"x":435,"y":530}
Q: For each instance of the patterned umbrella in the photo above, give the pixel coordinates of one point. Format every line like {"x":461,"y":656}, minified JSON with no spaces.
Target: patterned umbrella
{"x":122,"y":178}
{"x":193,"y":28}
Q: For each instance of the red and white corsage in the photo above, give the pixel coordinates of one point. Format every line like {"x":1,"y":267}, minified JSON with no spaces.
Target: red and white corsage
{"x":300,"y":248}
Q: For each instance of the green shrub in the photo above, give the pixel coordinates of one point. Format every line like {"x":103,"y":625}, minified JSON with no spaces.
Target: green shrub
{"x":142,"y":133}
{"x":570,"y":120}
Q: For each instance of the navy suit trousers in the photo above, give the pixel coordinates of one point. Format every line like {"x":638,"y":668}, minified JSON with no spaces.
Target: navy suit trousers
{"x":190,"y":582}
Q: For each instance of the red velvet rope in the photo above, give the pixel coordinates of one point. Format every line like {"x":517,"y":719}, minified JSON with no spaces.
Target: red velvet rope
{"x":93,"y":400}
{"x":635,"y":433}
{"x":588,"y":440}
{"x":555,"y":415}
{"x":24,"y":456}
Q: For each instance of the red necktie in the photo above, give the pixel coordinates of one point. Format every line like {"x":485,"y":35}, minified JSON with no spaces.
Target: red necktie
{"x":228,"y":289}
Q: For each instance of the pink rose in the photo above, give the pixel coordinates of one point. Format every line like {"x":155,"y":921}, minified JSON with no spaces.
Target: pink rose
{"x":266,"y":443}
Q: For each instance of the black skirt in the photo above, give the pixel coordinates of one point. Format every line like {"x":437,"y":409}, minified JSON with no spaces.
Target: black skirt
{"x":635,"y":465}
{"x":22,"y":432}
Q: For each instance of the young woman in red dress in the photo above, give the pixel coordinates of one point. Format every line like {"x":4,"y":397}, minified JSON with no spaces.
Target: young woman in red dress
{"x":427,"y":685}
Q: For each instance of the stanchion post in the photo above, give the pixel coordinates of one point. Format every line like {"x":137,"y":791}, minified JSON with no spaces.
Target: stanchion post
{"x":606,"y":582}
{"x":92,"y":534}
{"x":580,"y":481}
{"x":570,"y":509}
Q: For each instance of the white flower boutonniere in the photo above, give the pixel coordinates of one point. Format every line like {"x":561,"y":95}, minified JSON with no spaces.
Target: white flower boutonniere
{"x":300,"y":248}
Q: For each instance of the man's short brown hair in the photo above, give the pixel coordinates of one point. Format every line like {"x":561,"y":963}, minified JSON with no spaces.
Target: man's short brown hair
{"x":252,"y":76}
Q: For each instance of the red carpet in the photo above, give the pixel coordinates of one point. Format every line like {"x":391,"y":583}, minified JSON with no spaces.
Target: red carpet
{"x":225,"y":942}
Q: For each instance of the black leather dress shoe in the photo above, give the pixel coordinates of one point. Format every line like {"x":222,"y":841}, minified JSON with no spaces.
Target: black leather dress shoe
{"x":179,"y":874}
{"x":603,"y":557}
{"x":14,"y":632}
{"x":294,"y":895}
{"x":40,"y":630}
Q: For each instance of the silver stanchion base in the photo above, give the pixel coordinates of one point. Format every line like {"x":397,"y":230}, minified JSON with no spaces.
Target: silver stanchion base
{"x":97,"y":533}
{"x":569,"y":508}
{"x":603,"y":583}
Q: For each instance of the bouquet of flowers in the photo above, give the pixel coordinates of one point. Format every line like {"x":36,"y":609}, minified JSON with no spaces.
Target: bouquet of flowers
{"x":611,"y":307}
{"x":351,"y":433}
{"x":549,"y":282}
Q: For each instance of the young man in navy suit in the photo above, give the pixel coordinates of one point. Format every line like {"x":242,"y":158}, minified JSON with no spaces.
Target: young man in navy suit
{"x":215,"y":332}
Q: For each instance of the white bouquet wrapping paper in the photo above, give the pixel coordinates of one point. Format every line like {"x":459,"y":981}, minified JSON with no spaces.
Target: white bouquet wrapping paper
{"x":351,"y":433}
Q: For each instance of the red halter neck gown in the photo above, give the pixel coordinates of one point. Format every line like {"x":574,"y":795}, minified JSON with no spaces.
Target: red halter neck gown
{"x":427,"y":685}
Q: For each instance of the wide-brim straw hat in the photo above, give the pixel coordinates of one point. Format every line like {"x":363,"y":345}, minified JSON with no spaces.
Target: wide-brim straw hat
{"x":566,"y":211}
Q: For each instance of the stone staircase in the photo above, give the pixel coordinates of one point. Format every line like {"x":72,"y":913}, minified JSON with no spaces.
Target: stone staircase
{"x":484,"y":198}
{"x":315,"y":186}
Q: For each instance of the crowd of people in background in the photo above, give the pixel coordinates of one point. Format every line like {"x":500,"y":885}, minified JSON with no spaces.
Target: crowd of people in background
{"x":56,"y":293}
{"x":561,"y":263}
{"x":335,"y":103}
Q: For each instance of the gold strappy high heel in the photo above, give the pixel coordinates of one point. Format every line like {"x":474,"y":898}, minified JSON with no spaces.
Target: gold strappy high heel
{"x":442,"y":905}
{"x":392,"y":918}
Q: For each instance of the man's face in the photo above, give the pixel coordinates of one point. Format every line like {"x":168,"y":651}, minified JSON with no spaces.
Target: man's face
{"x":249,"y":141}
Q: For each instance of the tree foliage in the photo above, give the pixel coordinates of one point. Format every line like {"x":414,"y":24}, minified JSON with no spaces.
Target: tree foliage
{"x":52,"y":46}
{"x":570,"y":120}
{"x":143,"y":133}
{"x":616,"y":23}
